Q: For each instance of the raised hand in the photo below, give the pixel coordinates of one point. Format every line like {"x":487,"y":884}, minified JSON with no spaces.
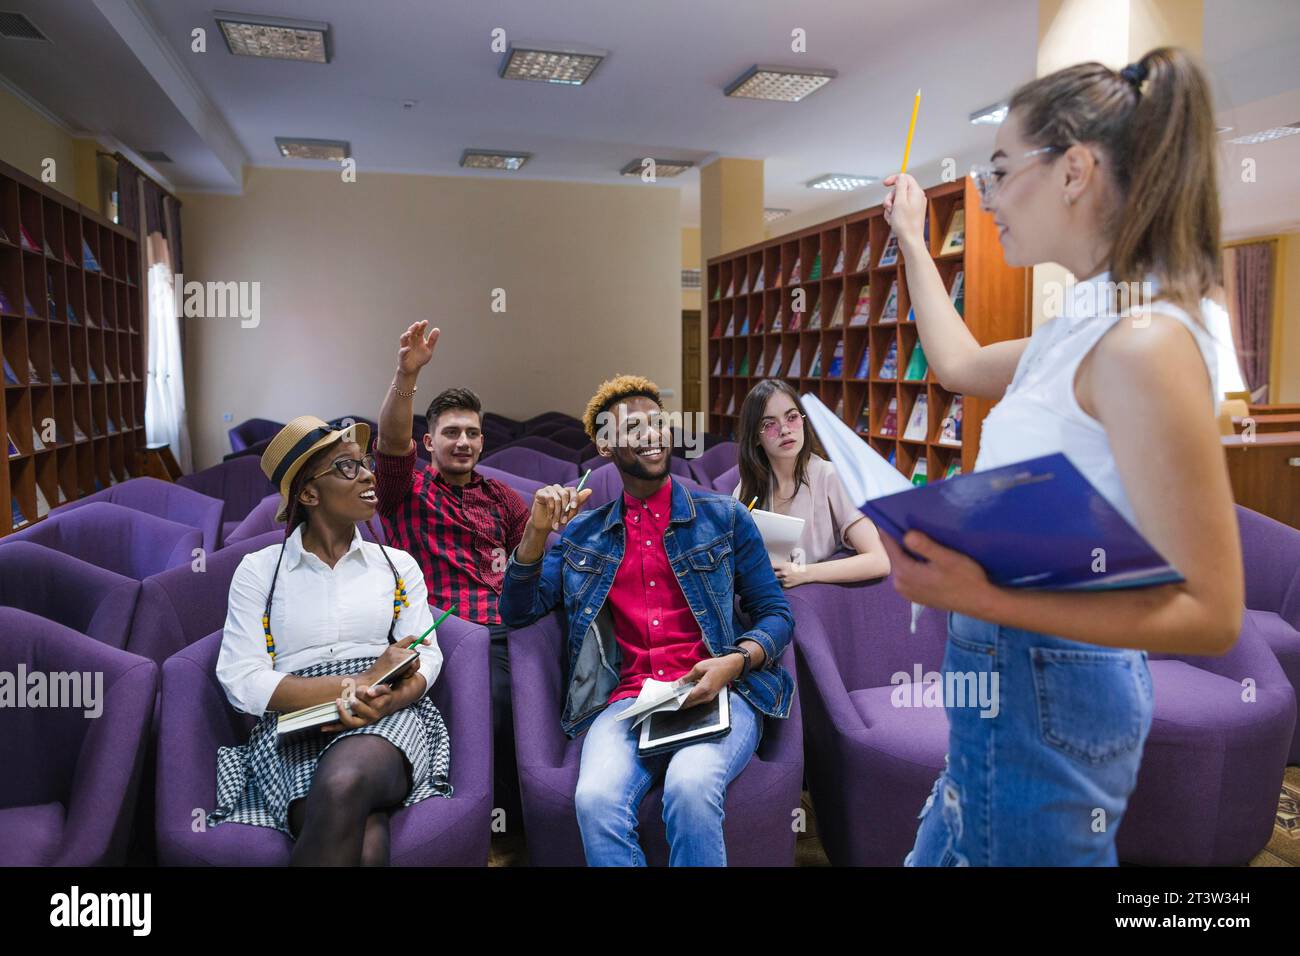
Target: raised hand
{"x":905,"y":207}
{"x":554,"y":506}
{"x":415,"y":349}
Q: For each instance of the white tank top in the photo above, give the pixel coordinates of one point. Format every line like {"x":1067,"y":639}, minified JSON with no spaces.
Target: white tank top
{"x":1039,"y":414}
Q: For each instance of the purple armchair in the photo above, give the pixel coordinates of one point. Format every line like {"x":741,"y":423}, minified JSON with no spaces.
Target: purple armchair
{"x":527,"y":427}
{"x":239,"y":484}
{"x":572,"y":438}
{"x":606,"y":484}
{"x":760,"y":801}
{"x":531,"y":463}
{"x":197,"y":719}
{"x":545,"y":446}
{"x":726,"y":482}
{"x":714,"y":462}
{"x":251,"y":432}
{"x":70,"y":781}
{"x":262,"y":519}
{"x":1270,"y":551}
{"x":527,"y":487}
{"x":500,"y":424}
{"x":870,"y":764}
{"x":74,"y":593}
{"x":162,"y":499}
{"x":132,"y":543}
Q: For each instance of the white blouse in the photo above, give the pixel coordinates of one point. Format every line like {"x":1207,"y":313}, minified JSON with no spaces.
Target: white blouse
{"x":319,"y":613}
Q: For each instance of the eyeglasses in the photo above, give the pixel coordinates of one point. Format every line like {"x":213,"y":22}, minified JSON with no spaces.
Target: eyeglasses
{"x":770,"y":427}
{"x":988,"y":177}
{"x":349,"y":468}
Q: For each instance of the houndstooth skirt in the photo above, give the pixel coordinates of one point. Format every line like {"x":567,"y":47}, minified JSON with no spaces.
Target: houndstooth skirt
{"x":256,"y":782}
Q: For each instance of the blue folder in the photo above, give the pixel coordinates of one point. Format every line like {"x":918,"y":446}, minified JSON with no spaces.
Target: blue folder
{"x":1033,"y":524}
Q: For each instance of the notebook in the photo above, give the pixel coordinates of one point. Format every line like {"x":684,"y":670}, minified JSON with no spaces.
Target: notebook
{"x":668,"y":728}
{"x":327,"y":713}
{"x":780,"y":532}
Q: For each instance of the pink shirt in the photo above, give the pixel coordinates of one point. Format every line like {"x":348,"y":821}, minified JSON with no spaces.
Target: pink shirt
{"x":654,"y":626}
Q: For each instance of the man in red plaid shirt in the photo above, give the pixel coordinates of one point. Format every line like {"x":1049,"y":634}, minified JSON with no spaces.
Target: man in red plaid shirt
{"x":460,"y":526}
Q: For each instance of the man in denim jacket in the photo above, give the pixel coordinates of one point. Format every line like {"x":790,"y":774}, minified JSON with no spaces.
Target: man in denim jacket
{"x":648,"y":584}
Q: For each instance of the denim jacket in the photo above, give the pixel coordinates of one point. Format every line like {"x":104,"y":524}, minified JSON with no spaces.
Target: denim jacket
{"x":715,"y":550}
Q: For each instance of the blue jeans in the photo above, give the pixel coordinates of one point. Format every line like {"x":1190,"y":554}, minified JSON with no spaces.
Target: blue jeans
{"x":613,"y":778}
{"x":1045,"y":780}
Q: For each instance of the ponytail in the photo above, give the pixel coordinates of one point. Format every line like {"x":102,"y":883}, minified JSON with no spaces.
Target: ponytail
{"x":1155,"y":121}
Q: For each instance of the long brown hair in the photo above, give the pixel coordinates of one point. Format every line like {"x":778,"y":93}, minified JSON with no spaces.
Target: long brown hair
{"x":1156,"y":125}
{"x":756,"y":476}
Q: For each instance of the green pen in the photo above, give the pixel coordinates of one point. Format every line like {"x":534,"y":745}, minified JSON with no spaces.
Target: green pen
{"x":577,"y":491}
{"x":442,"y":617}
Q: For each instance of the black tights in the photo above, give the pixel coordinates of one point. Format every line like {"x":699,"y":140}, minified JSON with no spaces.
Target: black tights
{"x":343,"y":820}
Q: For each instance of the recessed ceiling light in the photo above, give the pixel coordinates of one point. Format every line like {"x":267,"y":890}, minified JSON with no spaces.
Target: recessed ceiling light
{"x":567,"y":65}
{"x":772,"y":215}
{"x":843,"y":182}
{"x":1223,"y":129}
{"x":493,"y":159}
{"x":989,"y":115}
{"x":1264,"y":135}
{"x":326,"y":149}
{"x":782,"y":83}
{"x":275,"y":38}
{"x":663,"y":168}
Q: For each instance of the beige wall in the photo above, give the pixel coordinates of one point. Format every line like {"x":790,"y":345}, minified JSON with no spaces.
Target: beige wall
{"x":590,"y":273}
{"x":1286,"y":329}
{"x":691,"y":260}
{"x":29,"y":138}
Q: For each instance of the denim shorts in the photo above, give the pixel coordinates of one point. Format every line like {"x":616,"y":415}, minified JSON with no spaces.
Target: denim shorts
{"x":1042,"y":776}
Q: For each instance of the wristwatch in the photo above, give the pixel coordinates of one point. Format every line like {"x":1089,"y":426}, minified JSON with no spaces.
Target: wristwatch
{"x":743,"y":652}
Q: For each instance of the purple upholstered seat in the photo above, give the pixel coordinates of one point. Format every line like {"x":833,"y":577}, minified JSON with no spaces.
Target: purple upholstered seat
{"x":531,"y":463}
{"x":526,"y":487}
{"x":870,"y":764}
{"x":70,"y":780}
{"x":197,"y":719}
{"x":760,"y":801}
{"x":726,"y":482}
{"x":239,"y":484}
{"x":58,"y":587}
{"x":570,"y":437}
{"x":262,"y":519}
{"x":251,"y":432}
{"x":162,"y":499}
{"x":1270,"y":551}
{"x":606,"y":484}
{"x":543,"y":445}
{"x":527,"y":427}
{"x":132,"y":543}
{"x":714,"y":462}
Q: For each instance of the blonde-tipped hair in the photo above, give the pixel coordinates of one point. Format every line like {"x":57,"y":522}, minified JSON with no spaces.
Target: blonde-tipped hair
{"x":613,"y":391}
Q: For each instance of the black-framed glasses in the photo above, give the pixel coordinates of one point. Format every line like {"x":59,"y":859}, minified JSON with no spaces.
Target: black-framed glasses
{"x":349,"y":468}
{"x":771,"y":427}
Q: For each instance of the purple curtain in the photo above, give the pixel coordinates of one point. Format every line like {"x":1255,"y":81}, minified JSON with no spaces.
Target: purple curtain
{"x":1253,"y":281}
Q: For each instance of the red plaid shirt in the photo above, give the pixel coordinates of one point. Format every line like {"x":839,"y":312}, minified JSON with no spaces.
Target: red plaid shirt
{"x":460,"y":535}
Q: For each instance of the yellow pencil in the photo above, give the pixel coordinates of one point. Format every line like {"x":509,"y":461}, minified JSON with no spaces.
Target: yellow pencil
{"x":916,"y":106}
{"x":752,"y":503}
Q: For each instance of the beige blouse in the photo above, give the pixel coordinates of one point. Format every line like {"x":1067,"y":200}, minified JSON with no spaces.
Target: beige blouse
{"x":825,"y":507}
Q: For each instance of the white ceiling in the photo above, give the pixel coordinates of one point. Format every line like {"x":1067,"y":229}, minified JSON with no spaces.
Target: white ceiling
{"x":124,"y":69}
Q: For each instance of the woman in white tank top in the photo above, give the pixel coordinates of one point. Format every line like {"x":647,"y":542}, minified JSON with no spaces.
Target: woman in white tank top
{"x":1111,"y":174}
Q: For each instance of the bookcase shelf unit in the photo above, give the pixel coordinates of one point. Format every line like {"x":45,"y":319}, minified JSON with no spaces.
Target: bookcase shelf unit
{"x":843,"y":339}
{"x":72,"y":341}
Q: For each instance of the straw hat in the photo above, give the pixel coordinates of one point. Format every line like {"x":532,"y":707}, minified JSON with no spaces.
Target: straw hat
{"x":296,"y":442}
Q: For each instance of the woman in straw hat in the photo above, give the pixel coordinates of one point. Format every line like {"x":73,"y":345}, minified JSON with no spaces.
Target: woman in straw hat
{"x":317,"y":619}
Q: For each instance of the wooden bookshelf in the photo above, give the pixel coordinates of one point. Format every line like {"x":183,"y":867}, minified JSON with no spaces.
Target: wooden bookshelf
{"x":744,"y":347}
{"x":73,"y":339}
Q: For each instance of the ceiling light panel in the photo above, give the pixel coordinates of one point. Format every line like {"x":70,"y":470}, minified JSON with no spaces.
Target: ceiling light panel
{"x":780,"y":83}
{"x":493,"y":159}
{"x":840,"y":182}
{"x":273,"y":38}
{"x":663,"y":168}
{"x":332,"y":150}
{"x":1265,"y":135}
{"x":566,"y":66}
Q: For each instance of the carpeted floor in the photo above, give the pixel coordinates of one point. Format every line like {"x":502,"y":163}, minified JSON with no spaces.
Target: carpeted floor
{"x":1282,"y":850}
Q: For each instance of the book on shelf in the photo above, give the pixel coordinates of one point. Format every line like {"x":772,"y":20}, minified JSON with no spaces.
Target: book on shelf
{"x":744,"y":364}
{"x":839,"y":263}
{"x":55,"y":377}
{"x":889,"y":255}
{"x":11,"y":377}
{"x":815,"y":273}
{"x":839,"y":407}
{"x":5,"y":305}
{"x":890,"y":311}
{"x":744,"y":286}
{"x":94,"y":379}
{"x":33,"y":377}
{"x":919,"y":421}
{"x":90,"y":321}
{"x":717,"y":366}
{"x":864,"y":260}
{"x":917,"y":366}
{"x":731,"y":365}
{"x":862,"y":311}
{"x":78,"y":434}
{"x":893,"y":457}
{"x":864,"y":366}
{"x":16,"y":514}
{"x":731,"y":288}
{"x":76,"y":376}
{"x":815,"y":320}
{"x":109,"y":376}
{"x":919,"y":470}
{"x":122,"y":421}
{"x":112,"y":427}
{"x":717,"y":329}
{"x":88,"y":260}
{"x":950,"y":429}
{"x":758,"y":319}
{"x":731,"y":327}
{"x":954,"y":468}
{"x":837,"y":310}
{"x":63,"y":498}
{"x":815,"y":370}
{"x":49,"y":250}
{"x":69,"y":258}
{"x":14,"y":450}
{"x":889,"y":423}
{"x":99,"y":485}
{"x":795,"y":369}
{"x":37,"y":444}
{"x":717,"y":404}
{"x":42,"y":503}
{"x":758,"y":280}
{"x":957,"y":294}
{"x":26,"y":239}
{"x":72,"y":316}
{"x":796,"y":320}
{"x":778,"y":322}
{"x":889,"y":366}
{"x":776,"y":361}
{"x":112,"y":478}
{"x":760,"y":368}
{"x":717,"y":293}
{"x":731,"y":406}
{"x":29,"y":310}
{"x":836,"y":368}
{"x":744,"y":326}
{"x":955,"y":239}
{"x":794,"y":273}
{"x":911,"y":314}
{"x":864,"y":418}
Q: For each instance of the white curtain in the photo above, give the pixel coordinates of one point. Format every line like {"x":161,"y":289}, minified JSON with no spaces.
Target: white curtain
{"x":164,"y":404}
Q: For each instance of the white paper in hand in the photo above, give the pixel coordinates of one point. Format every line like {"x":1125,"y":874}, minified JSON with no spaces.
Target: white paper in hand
{"x":655,"y":696}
